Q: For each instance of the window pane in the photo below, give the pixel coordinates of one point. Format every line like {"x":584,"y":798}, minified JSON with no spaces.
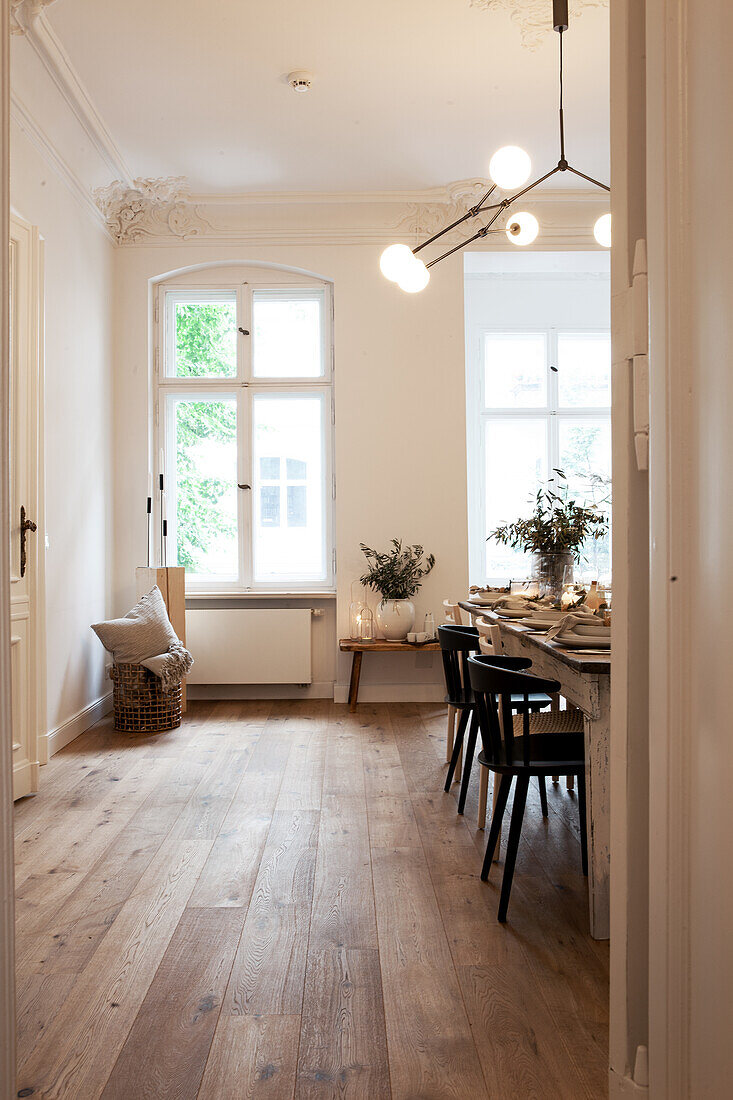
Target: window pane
{"x":270,"y":505}
{"x":202,"y":486}
{"x":270,"y":468}
{"x":292,"y":428}
{"x":515,"y":370}
{"x":287,"y":334}
{"x":516,"y":467}
{"x":584,"y":370}
{"x":204,"y":335}
{"x":585,"y":459}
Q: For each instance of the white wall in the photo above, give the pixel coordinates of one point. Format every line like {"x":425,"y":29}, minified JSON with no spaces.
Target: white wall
{"x":78,"y":427}
{"x":400,"y":439}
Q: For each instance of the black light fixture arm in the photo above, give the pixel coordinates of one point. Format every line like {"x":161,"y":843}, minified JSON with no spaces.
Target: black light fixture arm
{"x":472,"y":213}
{"x":560,"y":24}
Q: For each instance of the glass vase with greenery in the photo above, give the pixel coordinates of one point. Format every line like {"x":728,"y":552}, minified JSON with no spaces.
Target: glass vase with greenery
{"x":554,"y":533}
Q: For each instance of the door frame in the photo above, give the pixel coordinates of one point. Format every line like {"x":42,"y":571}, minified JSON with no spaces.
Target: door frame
{"x":7,"y":900}
{"x":30,"y":336}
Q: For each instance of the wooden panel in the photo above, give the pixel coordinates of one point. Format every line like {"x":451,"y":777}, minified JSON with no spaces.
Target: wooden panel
{"x":343,"y":1046}
{"x":253,"y":1058}
{"x":269,"y":969}
{"x":432,"y":1052}
{"x":171,"y":580}
{"x":167,"y":1048}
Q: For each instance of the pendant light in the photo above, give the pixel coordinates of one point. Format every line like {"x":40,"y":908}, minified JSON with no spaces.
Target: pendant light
{"x":509,"y":168}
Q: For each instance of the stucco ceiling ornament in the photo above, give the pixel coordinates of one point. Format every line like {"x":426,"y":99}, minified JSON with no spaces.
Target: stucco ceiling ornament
{"x":150,"y":208}
{"x":425,"y":218}
{"x":23,"y":13}
{"x":531,"y":15}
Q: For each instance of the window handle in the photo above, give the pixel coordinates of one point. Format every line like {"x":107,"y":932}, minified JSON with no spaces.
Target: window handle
{"x":244,"y":331}
{"x":240,"y":486}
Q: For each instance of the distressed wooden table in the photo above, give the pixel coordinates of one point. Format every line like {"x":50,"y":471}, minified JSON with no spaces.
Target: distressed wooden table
{"x":348,"y":645}
{"x":585,"y":681}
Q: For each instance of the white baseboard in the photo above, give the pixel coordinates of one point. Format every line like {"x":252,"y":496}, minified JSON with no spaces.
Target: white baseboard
{"x":70,"y":729}
{"x":392,"y":693}
{"x":619,"y":1086}
{"x":319,"y":690}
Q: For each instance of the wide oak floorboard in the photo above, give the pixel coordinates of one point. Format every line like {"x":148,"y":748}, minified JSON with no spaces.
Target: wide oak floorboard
{"x":277,"y":901}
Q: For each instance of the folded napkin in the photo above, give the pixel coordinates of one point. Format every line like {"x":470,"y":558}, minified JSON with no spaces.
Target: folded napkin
{"x":170,"y":667}
{"x":567,"y":625}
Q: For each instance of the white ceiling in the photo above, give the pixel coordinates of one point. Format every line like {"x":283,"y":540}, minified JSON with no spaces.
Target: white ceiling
{"x":407,"y":94}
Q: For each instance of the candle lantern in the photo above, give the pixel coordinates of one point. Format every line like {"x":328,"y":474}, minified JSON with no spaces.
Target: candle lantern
{"x":356,"y":608}
{"x":366,"y":625}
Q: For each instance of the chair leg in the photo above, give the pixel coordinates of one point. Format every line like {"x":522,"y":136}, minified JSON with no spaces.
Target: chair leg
{"x":457,"y":746}
{"x":515,"y":830}
{"x":468,"y":762}
{"x":543,"y":795}
{"x":496,"y":819}
{"x":571,"y":782}
{"x":494,"y":804}
{"x":483,"y":793}
{"x":583,"y":822}
{"x":451,"y":733}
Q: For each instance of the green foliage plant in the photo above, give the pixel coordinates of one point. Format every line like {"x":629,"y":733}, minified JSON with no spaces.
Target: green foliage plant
{"x":558,"y":525}
{"x":398,"y":573}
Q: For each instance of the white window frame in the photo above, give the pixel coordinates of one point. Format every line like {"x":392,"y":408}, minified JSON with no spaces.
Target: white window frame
{"x":479,"y":417}
{"x":245,"y":386}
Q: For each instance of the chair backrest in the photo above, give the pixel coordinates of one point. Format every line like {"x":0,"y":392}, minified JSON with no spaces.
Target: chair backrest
{"x":457,"y":643}
{"x":490,"y":636}
{"x":453,"y":613}
{"x":494,"y":680}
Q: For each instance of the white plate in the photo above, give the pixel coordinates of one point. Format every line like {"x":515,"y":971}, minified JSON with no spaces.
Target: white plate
{"x":582,"y":641}
{"x":510,"y":613}
{"x":485,"y":601}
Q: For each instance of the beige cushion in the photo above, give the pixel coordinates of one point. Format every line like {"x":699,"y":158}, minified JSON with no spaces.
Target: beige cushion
{"x":143,"y":632}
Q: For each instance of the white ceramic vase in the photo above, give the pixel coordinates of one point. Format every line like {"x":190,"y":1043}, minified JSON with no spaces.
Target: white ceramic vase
{"x":395,"y":619}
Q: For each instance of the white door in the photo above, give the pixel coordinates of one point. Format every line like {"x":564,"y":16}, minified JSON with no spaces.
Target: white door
{"x":26,"y":581}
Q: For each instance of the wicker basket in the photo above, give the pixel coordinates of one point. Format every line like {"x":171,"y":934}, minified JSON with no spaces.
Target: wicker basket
{"x":140,"y":704}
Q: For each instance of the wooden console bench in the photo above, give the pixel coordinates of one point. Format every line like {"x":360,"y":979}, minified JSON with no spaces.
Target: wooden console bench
{"x":348,"y":645}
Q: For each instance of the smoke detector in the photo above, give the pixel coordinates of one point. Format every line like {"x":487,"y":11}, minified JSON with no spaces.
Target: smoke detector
{"x":300,"y":80}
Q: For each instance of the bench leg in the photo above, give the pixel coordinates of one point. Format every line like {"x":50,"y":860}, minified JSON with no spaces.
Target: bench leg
{"x":355,"y":674}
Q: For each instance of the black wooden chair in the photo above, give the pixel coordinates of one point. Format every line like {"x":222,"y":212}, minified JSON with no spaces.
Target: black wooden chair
{"x":457,"y":643}
{"x":522,"y":745}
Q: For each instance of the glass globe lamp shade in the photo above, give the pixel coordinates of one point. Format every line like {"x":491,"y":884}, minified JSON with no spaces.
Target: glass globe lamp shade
{"x":414,"y":278}
{"x":522,"y":228}
{"x":395,"y":259}
{"x":510,"y":167}
{"x":602,"y":230}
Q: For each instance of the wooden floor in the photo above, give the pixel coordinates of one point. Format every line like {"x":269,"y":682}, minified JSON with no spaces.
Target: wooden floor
{"x":278,"y":900}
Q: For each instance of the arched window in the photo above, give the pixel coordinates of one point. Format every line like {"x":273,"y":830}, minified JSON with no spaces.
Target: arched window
{"x":243,"y":415}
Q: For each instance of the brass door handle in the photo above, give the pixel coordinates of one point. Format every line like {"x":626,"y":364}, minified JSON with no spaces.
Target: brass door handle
{"x":26,"y":525}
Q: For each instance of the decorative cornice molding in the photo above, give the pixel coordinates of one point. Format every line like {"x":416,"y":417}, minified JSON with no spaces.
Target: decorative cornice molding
{"x":30,"y":21}
{"x":149,"y":208}
{"x":533,"y":16}
{"x":25,"y":121}
{"x":23,"y":14}
{"x":161,"y":213}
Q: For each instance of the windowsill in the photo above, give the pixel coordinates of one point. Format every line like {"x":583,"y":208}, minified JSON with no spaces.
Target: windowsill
{"x":219,"y":594}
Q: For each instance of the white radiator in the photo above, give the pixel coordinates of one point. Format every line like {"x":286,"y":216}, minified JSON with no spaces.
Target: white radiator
{"x":235,"y":645}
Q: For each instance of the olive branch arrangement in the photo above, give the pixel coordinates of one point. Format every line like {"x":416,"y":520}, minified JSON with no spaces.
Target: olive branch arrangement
{"x":398,"y":573}
{"x":558,"y":525}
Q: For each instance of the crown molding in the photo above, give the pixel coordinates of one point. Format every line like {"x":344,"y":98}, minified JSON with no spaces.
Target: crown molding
{"x":30,"y":21}
{"x":533,"y":16}
{"x":162,"y":211}
{"x":24,"y":120}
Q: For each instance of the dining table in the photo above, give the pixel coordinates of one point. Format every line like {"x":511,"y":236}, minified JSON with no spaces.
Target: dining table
{"x":585,"y":682}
